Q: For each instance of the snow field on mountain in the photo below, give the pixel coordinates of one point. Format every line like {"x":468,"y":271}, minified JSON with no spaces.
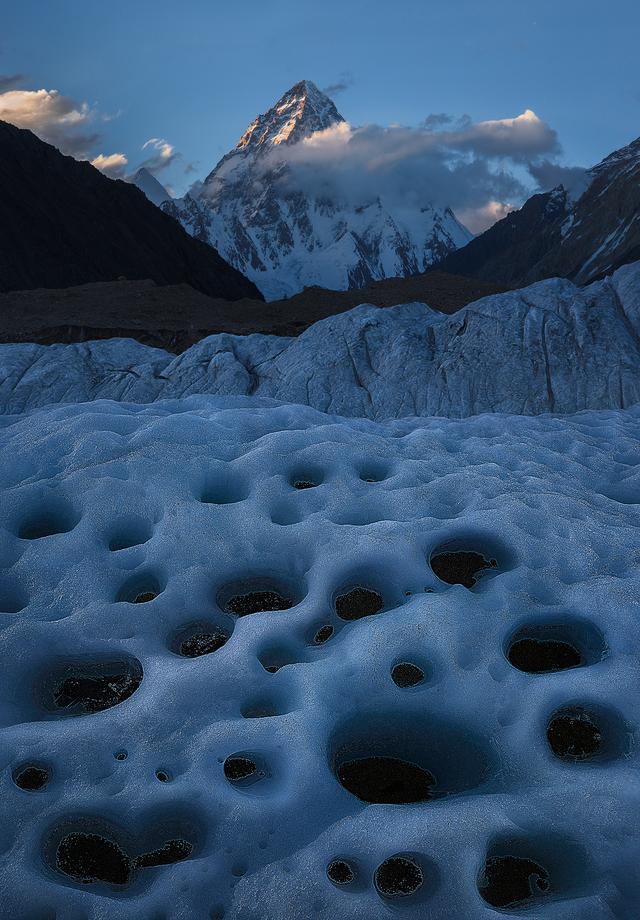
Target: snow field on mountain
{"x":261,"y":662}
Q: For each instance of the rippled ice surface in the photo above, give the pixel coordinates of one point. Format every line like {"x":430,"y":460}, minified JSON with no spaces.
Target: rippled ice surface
{"x":261,"y":662}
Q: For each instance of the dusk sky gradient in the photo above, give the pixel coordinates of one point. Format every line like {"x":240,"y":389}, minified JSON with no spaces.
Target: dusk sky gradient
{"x":196,"y":73}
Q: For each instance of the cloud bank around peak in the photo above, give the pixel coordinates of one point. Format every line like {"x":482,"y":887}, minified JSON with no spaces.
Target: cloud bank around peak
{"x":479,"y":169}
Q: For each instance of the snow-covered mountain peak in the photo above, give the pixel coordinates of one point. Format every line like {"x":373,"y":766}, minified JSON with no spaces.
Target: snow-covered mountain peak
{"x":628,"y":155}
{"x":285,"y":236}
{"x":300,"y":112}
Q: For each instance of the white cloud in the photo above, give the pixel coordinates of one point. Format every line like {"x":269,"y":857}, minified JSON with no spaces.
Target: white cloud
{"x":478,"y":169}
{"x":113,"y":165}
{"x":162,"y":155}
{"x":71,"y":127}
{"x":481,"y":218}
{"x":55,"y":118}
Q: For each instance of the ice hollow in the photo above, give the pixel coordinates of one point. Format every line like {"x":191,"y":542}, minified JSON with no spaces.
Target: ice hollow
{"x":226,"y":695}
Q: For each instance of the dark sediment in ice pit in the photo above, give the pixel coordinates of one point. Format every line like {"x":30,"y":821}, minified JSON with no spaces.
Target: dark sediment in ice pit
{"x":84,"y":688}
{"x":386,"y":780}
{"x":92,"y":858}
{"x":461,"y":567}
{"x":340,"y":872}
{"x":512,"y":881}
{"x":358,"y":602}
{"x":31,"y":777}
{"x":404,"y":674}
{"x":398,"y":877}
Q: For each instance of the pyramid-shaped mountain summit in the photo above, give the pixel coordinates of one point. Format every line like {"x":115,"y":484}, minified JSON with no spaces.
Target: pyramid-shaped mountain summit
{"x":251,"y":209}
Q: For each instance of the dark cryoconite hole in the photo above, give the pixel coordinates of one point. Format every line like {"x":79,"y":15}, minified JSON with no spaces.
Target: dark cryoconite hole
{"x":239,"y":768}
{"x":573,"y":735}
{"x":541,"y":656}
{"x":172,"y":852}
{"x":386,"y":780}
{"x":203,"y":643}
{"x":357,"y":603}
{"x":92,"y":858}
{"x":340,"y":872}
{"x":511,"y":881}
{"x":398,"y":876}
{"x":323,"y":634}
{"x":407,"y":675}
{"x":31,"y":778}
{"x":144,"y":597}
{"x":461,"y":568}
{"x":304,"y":484}
{"x":90,"y":693}
{"x":256,"y":602}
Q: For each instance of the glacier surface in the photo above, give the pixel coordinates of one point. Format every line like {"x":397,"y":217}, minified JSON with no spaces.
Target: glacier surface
{"x":550,"y":347}
{"x":129,"y":530}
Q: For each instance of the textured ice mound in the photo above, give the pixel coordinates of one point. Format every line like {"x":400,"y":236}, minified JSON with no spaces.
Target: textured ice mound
{"x":262,"y":663}
{"x":551,"y":347}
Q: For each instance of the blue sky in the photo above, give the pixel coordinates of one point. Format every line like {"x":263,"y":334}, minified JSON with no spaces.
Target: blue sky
{"x":195,"y":73}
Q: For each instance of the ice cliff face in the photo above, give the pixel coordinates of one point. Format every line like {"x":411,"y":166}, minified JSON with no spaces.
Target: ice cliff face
{"x":285,"y":240}
{"x":551,"y":347}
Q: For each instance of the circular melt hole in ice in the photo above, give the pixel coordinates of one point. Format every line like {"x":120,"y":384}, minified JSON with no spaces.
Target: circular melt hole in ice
{"x":257,"y":602}
{"x":398,"y":877}
{"x":203,"y":643}
{"x":340,"y":872}
{"x":92,"y":858}
{"x":461,"y":567}
{"x":358,"y":602}
{"x":144,"y":597}
{"x":574,"y":735}
{"x":237,"y":768}
{"x":543,"y":656}
{"x":47,"y":523}
{"x":386,"y":780}
{"x":31,"y":777}
{"x":512,"y":881}
{"x":404,"y":675}
{"x":323,"y":634}
{"x":89,"y":688}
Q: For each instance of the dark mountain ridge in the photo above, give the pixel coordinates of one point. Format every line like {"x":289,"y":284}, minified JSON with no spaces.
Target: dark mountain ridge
{"x":556,"y":234}
{"x":63,"y":223}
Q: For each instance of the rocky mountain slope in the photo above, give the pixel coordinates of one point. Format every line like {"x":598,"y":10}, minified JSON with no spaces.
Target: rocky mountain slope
{"x":581,"y":237}
{"x":63,"y":223}
{"x":152,"y":188}
{"x":285,"y":240}
{"x":551,"y":347}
